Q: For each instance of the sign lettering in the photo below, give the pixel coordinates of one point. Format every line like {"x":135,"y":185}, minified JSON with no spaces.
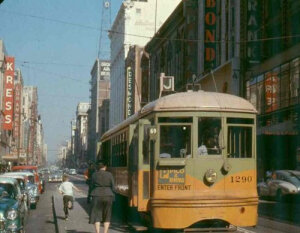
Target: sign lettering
{"x":130,"y":92}
{"x":253,"y":45}
{"x":172,"y":176}
{"x":8,"y":98}
{"x":210,"y":34}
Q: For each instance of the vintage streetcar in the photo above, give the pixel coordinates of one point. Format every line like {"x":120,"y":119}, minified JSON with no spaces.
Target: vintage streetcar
{"x":187,"y":160}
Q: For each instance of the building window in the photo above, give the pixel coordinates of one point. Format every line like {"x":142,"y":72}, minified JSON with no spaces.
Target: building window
{"x":275,"y":89}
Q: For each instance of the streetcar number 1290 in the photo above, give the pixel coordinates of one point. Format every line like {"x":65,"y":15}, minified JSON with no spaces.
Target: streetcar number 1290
{"x":241,"y":179}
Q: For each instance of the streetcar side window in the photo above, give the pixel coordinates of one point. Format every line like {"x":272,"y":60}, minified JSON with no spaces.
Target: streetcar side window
{"x":209,"y":136}
{"x":175,"y":141}
{"x":239,"y":142}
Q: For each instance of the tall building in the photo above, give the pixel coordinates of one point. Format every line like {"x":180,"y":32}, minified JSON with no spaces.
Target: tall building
{"x":30,"y":113}
{"x":81,"y":133}
{"x":135,"y":24}
{"x":4,"y":136}
{"x":272,"y":80}
{"x":100,"y":91}
{"x":18,"y":132}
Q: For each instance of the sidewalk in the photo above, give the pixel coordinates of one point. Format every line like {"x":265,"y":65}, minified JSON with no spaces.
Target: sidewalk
{"x":78,"y":221}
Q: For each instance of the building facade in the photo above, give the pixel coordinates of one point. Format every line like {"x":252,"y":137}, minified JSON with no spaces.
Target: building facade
{"x":81,"y":133}
{"x":100,"y":91}
{"x":135,"y":23}
{"x":4,"y":137}
{"x":246,"y":48}
{"x":273,"y":84}
{"x":30,"y":114}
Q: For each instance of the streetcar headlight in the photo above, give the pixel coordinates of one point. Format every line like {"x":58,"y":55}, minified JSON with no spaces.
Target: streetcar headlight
{"x":12,"y":214}
{"x":211,"y":176}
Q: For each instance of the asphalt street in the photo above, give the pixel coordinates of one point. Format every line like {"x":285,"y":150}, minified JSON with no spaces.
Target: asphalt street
{"x":276,"y":215}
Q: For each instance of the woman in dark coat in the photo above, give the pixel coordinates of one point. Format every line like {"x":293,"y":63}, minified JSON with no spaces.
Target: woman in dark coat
{"x":102,"y":197}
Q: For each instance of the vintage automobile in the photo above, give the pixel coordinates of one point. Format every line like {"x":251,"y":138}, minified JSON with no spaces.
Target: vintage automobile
{"x":32,"y":169}
{"x":31,"y":187}
{"x":280,"y":184}
{"x":22,"y":180}
{"x":55,"y":177}
{"x":12,"y":207}
{"x":72,"y":171}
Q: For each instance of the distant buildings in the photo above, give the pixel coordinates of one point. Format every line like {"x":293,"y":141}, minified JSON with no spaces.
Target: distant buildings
{"x":100,"y":94}
{"x":21,"y":129}
{"x":81,"y":133}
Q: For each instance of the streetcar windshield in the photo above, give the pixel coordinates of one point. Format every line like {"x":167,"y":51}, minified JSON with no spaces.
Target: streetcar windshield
{"x":175,"y":141}
{"x":209,"y":136}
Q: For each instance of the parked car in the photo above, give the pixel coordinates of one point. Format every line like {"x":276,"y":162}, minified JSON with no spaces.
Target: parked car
{"x":12,"y":208}
{"x":32,"y":169}
{"x":55,"y":177}
{"x":280,"y":184}
{"x":31,"y":187}
{"x":72,"y":171}
{"x":22,"y":180}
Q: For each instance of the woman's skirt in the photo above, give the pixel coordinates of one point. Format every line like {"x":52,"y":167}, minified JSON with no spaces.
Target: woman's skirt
{"x":101,"y":209}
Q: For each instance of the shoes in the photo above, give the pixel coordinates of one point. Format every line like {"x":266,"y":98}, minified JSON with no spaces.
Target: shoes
{"x":66,"y":218}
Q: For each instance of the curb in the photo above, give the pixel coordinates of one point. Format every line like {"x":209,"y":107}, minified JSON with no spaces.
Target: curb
{"x":54,"y":215}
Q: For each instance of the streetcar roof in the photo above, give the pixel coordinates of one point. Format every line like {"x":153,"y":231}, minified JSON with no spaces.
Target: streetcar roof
{"x":190,"y":102}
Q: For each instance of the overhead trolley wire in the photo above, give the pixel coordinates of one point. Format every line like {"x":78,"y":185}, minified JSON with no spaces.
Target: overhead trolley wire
{"x":54,"y":74}
{"x":155,"y":36}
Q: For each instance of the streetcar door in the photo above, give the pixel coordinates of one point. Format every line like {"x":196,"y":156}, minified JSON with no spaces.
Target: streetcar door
{"x":144,"y":165}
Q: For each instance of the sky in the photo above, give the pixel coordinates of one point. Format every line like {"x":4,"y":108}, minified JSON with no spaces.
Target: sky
{"x":55,"y":44}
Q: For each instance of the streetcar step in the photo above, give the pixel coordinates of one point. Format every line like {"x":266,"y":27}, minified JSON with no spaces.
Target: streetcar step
{"x":223,"y":229}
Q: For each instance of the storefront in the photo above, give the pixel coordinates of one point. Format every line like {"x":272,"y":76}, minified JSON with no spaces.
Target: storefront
{"x":275,"y":94}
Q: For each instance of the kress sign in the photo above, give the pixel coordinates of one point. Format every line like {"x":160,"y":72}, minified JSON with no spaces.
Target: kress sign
{"x":8,"y":93}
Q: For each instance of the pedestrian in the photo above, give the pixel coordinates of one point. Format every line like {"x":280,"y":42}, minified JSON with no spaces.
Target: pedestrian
{"x":66,"y":189}
{"x":88,"y":176}
{"x":102,"y":197}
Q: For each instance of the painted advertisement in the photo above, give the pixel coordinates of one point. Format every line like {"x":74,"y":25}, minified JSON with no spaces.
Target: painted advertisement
{"x":104,"y":70}
{"x":8,"y":93}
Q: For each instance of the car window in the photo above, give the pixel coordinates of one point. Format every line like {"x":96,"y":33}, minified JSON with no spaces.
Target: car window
{"x":9,"y":189}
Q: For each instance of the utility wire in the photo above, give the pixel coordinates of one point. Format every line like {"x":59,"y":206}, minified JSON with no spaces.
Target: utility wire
{"x":54,"y":74}
{"x":155,"y":37}
{"x":52,"y":20}
{"x":51,"y":63}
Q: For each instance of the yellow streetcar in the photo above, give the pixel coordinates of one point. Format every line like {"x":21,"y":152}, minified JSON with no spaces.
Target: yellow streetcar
{"x":187,"y":160}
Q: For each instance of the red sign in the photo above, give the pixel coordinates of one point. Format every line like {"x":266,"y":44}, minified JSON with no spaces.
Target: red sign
{"x":8,"y":92}
{"x":271,"y":90}
{"x":17,"y":112}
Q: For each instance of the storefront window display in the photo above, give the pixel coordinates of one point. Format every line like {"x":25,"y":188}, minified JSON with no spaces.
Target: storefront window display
{"x":275,"y":89}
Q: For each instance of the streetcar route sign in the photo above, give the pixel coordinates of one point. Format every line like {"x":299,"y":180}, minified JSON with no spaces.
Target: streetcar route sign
{"x":171,"y":176}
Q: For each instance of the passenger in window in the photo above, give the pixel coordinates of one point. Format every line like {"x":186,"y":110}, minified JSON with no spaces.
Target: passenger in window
{"x":212,"y":146}
{"x":202,"y":150}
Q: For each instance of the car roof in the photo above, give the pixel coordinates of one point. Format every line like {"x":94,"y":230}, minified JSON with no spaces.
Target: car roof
{"x":8,"y":180}
{"x":24,"y":167}
{"x":14,"y":176}
{"x":20,"y":173}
